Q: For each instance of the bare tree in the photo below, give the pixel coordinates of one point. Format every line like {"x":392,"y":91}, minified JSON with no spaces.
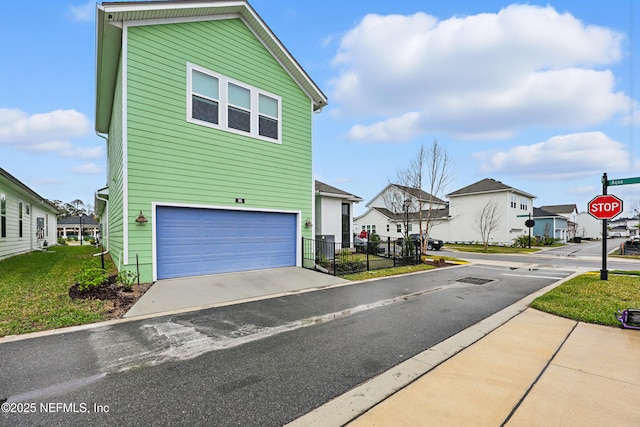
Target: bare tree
{"x":430,"y":169}
{"x":487,"y":220}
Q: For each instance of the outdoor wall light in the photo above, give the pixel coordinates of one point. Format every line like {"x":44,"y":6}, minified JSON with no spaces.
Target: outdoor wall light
{"x":141,"y":220}
{"x":308,"y":223}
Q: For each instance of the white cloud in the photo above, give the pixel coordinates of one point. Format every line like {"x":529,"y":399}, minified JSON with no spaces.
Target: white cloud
{"x":84,"y":12}
{"x":84,"y":153}
{"x":585,"y":190}
{"x":86,"y":169}
{"x":487,"y":75}
{"x":47,"y":132}
{"x":560,"y":157}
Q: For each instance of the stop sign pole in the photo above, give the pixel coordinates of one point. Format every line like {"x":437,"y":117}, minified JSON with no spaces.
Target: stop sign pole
{"x":604,"y":273}
{"x":605,"y":207}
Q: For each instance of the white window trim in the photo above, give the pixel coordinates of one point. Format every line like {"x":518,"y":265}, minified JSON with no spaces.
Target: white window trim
{"x":223,"y":105}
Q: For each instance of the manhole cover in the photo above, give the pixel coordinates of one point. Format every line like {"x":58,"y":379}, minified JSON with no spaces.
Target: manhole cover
{"x":475,"y":280}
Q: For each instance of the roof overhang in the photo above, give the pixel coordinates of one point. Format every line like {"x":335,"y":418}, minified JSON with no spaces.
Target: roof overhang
{"x":110,"y":20}
{"x":28,"y":191}
{"x":348,"y":197}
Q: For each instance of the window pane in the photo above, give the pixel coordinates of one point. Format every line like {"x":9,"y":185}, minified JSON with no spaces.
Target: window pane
{"x":204,"y":85}
{"x":203,"y":109}
{"x":239,"y":119}
{"x":268,"y":106}
{"x":268,"y":127}
{"x":239,"y":96}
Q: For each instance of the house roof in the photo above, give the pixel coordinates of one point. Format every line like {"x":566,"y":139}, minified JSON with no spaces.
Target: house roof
{"x":112,"y":15}
{"x":487,"y":185}
{"x":540,"y":213}
{"x":417,"y":193}
{"x":27,"y":190}
{"x":327,"y":190}
{"x":560,"y":209}
{"x":413,"y":216}
{"x":75,"y":220}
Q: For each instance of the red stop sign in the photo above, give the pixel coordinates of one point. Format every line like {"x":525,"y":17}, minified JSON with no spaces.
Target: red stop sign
{"x":605,"y":207}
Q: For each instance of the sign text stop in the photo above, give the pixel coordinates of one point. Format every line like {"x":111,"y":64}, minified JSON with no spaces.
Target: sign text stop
{"x":606,"y":206}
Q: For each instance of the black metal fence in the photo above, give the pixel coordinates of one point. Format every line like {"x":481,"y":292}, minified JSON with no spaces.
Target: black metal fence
{"x":339,"y":259}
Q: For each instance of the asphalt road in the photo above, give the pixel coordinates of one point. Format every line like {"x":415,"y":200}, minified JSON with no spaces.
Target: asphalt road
{"x":573,"y":256}
{"x":263,"y":363}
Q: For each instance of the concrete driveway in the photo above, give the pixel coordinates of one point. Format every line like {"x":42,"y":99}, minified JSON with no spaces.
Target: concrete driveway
{"x":190,"y":293}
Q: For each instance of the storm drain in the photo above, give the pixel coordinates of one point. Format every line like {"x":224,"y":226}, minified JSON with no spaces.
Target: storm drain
{"x":475,"y":280}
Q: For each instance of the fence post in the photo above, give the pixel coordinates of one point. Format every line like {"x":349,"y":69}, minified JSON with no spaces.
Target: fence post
{"x":368,"y":249}
{"x":394,"y":251}
{"x":335,"y":261}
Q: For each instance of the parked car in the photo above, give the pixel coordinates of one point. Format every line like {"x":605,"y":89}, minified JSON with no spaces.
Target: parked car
{"x":432,"y":244}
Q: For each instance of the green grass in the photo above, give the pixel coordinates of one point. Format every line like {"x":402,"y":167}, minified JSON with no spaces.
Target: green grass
{"x":35,"y":290}
{"x":492,"y":249}
{"x":588,"y":299}
{"x":386,"y":272}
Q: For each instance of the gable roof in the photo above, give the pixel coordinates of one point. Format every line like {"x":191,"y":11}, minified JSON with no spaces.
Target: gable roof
{"x":27,"y":190}
{"x":75,"y":220}
{"x":558,"y":209}
{"x":418,"y":194}
{"x":112,"y":15}
{"x":413,"y":216}
{"x":323,"y":189}
{"x":540,"y":213}
{"x":487,"y":185}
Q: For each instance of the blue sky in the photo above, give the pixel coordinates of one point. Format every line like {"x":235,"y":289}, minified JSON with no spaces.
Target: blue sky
{"x":542,"y":96}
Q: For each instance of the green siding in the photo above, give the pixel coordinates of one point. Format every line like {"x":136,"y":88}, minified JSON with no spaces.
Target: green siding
{"x":172,"y":160}
{"x":114,"y":240}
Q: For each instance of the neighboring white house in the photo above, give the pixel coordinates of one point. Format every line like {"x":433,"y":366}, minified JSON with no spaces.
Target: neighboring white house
{"x":513,"y":208}
{"x":334,"y":214}
{"x":396,"y":205}
{"x":27,"y":220}
{"x":568,"y":211}
{"x":623,"y":227}
{"x":587,"y":227}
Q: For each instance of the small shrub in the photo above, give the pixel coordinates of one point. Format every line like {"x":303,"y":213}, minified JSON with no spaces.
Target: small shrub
{"x":90,"y":277}
{"x":523,"y":242}
{"x":127,"y":279}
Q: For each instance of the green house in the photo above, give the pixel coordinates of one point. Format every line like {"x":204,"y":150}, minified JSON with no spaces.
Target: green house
{"x":208,"y":124}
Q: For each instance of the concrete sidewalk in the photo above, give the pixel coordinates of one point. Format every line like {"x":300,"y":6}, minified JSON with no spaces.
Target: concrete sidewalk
{"x":535,"y":370}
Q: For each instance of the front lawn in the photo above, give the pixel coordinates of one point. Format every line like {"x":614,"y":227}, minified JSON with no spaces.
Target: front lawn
{"x":35,"y":290}
{"x":588,"y":299}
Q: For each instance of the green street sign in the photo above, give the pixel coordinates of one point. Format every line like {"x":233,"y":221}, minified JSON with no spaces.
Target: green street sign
{"x":624,"y":181}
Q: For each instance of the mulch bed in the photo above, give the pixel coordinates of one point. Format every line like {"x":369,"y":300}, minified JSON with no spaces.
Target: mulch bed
{"x":122,"y":299}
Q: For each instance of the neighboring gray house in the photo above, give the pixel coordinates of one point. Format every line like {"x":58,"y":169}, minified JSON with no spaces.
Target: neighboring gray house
{"x":334,"y":214}
{"x":549,"y":224}
{"x":27,"y":220}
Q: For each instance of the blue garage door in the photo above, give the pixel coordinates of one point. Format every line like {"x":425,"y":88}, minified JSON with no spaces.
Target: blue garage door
{"x":194,"y":242}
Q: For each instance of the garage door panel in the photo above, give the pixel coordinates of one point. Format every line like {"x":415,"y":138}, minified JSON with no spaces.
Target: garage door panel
{"x":193,"y":241}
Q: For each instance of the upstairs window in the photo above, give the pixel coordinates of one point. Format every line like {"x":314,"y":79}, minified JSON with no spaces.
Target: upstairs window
{"x":220,"y":102}
{"x":205,"y":97}
{"x":239,"y":113}
{"x":514,"y":201}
